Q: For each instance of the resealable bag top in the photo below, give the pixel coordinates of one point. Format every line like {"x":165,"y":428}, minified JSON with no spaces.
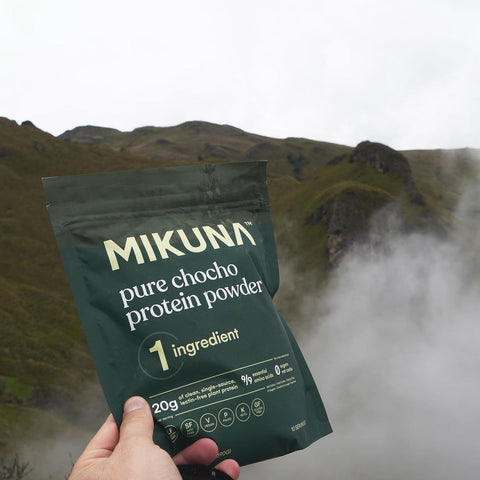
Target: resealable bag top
{"x":173,"y":271}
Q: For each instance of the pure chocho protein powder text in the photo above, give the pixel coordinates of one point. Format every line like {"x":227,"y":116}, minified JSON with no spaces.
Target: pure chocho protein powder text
{"x":173,"y":271}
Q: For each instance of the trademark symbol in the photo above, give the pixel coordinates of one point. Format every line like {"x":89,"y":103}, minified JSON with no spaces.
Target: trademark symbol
{"x":248,"y":223}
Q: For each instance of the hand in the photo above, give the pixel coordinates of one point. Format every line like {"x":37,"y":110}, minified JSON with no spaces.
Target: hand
{"x":131,"y":454}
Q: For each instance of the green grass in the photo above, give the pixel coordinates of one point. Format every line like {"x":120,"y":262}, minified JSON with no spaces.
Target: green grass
{"x":13,"y":387}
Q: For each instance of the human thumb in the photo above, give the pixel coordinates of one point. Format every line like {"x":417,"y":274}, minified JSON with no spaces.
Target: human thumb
{"x":137,"y":420}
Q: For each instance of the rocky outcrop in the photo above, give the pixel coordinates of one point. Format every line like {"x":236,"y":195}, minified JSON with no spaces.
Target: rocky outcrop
{"x":348,"y":213}
{"x":28,"y":123}
{"x":38,"y":146}
{"x":346,"y":216}
{"x":387,"y":160}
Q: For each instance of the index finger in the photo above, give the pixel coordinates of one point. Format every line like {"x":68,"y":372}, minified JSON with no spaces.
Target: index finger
{"x":204,"y":452}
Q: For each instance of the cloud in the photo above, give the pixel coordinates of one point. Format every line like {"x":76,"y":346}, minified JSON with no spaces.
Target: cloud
{"x":395,"y":355}
{"x":402,"y":73}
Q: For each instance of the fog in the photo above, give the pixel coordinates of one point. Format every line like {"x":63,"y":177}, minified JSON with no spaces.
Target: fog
{"x":395,"y":353}
{"x":51,"y":455}
{"x":393,"y":343}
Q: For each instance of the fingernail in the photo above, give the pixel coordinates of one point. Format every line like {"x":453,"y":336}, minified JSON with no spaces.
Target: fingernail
{"x":133,"y":403}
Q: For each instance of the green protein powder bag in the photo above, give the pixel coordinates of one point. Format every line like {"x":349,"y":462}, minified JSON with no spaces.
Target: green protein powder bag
{"x":173,"y":271}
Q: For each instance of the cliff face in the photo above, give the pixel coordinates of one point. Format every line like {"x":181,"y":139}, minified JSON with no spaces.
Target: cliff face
{"x":386,"y":160}
{"x":346,"y":217}
{"x":348,"y":213}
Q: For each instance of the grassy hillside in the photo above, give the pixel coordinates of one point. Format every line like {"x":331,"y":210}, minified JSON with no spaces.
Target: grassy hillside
{"x":44,"y":357}
{"x":321,"y":202}
{"x":208,"y":142}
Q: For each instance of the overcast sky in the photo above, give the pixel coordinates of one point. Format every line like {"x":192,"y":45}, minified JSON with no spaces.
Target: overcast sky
{"x":405,"y":73}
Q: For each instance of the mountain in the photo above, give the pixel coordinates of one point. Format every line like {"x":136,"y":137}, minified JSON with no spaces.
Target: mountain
{"x":324,"y":199}
{"x":207,"y":142}
{"x":318,"y":186}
